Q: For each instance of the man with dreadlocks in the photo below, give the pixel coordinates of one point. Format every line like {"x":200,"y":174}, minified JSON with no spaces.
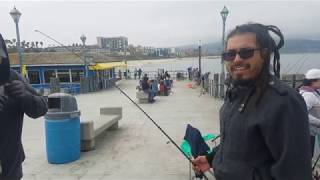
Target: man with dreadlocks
{"x":263,"y":122}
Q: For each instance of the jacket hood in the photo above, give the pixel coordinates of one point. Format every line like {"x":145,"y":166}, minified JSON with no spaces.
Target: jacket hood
{"x":4,"y":62}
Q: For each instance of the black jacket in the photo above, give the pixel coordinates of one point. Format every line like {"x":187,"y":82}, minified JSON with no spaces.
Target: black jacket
{"x":264,"y":141}
{"x":11,"y":120}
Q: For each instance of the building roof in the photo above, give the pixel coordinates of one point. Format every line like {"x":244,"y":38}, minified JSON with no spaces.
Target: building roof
{"x":110,"y":65}
{"x":55,"y":58}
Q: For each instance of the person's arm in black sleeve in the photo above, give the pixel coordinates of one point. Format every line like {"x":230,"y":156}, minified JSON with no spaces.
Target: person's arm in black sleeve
{"x":286,"y":134}
{"x":33,"y":104}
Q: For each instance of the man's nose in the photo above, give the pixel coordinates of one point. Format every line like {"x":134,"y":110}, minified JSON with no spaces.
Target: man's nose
{"x":237,"y":58}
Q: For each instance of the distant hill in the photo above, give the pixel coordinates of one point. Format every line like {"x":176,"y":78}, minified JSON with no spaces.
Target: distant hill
{"x":301,"y":45}
{"x":290,"y":46}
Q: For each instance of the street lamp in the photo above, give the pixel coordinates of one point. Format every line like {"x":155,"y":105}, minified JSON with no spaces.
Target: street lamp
{"x":199,"y":44}
{"x":15,"y":14}
{"x":83,"y":39}
{"x":224,"y":13}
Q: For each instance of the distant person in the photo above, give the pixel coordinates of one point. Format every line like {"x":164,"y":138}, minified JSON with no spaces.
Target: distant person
{"x":163,"y":88}
{"x":146,"y":87}
{"x":128,"y":74}
{"x":125,"y":74}
{"x":120,"y":74}
{"x":190,"y":73}
{"x":263,"y":122}
{"x":154,"y":87}
{"x":145,"y":84}
{"x":135,"y":73}
{"x":16,"y":99}
{"x":167,"y":83}
{"x":166,"y":75}
{"x":310,"y":91}
{"x":139,"y":73}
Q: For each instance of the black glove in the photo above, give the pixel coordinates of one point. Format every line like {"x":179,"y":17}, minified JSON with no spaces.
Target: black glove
{"x":3,"y":101}
{"x":15,"y":89}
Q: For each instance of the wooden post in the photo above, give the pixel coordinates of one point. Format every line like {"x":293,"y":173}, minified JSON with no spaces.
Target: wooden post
{"x":293,"y":80}
{"x":216,"y":84}
{"x":54,"y":85}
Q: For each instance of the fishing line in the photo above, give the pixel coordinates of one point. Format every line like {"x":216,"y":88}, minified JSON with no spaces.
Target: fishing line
{"x":296,"y":64}
{"x":139,"y":107}
{"x":303,"y":63}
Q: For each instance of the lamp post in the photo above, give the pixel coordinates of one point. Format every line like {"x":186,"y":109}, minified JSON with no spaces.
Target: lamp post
{"x":83,"y":39}
{"x":125,"y":57}
{"x":15,"y":14}
{"x":224,"y":13}
{"x":199,"y":44}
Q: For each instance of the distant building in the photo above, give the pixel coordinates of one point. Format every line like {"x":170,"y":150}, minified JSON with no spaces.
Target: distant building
{"x":67,"y":67}
{"x":115,"y":44}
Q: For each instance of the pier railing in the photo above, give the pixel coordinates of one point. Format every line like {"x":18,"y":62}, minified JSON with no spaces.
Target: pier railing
{"x":210,"y":84}
{"x":176,"y":74}
{"x":213,"y":86}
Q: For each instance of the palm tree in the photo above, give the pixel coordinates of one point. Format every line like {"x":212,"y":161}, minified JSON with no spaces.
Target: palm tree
{"x":23,"y":44}
{"x":14,"y":42}
{"x":41,"y":44}
{"x":32,"y":44}
{"x":8,"y":42}
{"x":37,"y":44}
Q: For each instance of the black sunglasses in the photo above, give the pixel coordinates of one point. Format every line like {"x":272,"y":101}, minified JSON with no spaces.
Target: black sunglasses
{"x":244,"y":53}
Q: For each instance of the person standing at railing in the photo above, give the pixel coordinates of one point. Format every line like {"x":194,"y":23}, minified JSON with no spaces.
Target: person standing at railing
{"x":135,"y":73}
{"x":139,"y":73}
{"x":310,"y":91}
{"x":190,"y":73}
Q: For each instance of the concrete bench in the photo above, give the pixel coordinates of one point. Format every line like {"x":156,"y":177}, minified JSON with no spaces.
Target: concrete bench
{"x":89,"y":130}
{"x":142,"y":97}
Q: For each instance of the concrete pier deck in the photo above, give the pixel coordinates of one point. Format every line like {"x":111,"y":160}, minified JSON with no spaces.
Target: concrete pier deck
{"x":137,"y":150}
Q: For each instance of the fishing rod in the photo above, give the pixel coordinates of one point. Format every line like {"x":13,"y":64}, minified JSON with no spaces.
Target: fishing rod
{"x":139,"y":107}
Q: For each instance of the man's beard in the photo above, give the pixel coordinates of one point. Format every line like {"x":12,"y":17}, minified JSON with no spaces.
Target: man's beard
{"x":239,"y":81}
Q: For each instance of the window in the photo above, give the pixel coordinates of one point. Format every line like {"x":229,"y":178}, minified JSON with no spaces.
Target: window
{"x":76,"y":74}
{"x":64,"y":76}
{"x":49,"y":74}
{"x":111,"y":73}
{"x":107,"y":74}
{"x":34,"y":77}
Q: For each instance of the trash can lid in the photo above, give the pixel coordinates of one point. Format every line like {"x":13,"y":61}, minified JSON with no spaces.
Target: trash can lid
{"x":62,"y":102}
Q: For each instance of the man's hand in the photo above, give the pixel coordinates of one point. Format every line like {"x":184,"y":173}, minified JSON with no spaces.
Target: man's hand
{"x":15,"y":89}
{"x":200,"y":164}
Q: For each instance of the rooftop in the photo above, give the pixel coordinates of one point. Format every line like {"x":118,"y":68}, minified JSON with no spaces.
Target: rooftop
{"x":56,"y":58}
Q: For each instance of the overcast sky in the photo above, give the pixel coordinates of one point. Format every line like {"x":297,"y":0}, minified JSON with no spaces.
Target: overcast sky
{"x":154,"y":23}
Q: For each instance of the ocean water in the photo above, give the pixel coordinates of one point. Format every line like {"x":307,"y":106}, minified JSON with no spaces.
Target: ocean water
{"x":290,"y":63}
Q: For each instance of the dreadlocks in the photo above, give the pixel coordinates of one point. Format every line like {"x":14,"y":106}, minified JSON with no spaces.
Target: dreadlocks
{"x":268,"y":46}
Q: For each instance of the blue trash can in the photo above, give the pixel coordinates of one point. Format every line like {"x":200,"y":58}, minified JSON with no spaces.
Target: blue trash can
{"x":62,"y":127}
